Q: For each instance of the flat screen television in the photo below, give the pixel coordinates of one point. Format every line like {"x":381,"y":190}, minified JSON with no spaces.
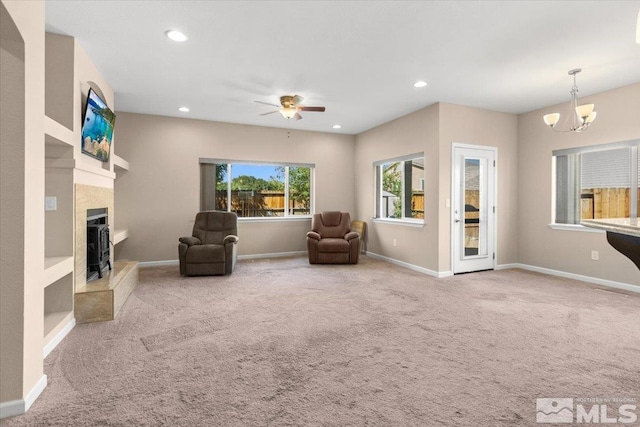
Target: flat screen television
{"x":97,"y":127}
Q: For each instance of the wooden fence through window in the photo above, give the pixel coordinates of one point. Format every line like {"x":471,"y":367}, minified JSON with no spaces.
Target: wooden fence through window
{"x":597,"y":203}
{"x":263,"y":203}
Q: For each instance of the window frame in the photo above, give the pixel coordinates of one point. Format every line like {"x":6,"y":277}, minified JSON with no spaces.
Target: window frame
{"x":633,"y":145}
{"x":378,"y":177}
{"x":286,"y":217}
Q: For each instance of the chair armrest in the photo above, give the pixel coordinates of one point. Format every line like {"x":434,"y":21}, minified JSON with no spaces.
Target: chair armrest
{"x":230,"y":239}
{"x":190,"y":241}
{"x":351,"y":235}
{"x":313,"y":235}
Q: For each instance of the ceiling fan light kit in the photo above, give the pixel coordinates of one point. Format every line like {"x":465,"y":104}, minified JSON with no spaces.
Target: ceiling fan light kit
{"x":290,"y":107}
{"x":583,"y":115}
{"x":288,"y":112}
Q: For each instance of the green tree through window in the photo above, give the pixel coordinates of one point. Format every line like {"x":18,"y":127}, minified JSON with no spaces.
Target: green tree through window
{"x":258,"y":190}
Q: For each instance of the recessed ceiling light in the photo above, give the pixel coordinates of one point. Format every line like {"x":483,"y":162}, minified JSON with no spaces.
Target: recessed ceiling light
{"x":337,"y":126}
{"x":420,"y":83}
{"x":184,"y":109}
{"x":176,"y":35}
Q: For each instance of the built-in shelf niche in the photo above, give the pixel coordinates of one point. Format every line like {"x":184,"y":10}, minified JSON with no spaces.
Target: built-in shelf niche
{"x":59,"y":203}
{"x":119,"y":236}
{"x":69,"y":74}
{"x":60,"y":80}
{"x":120,"y":164}
{"x":56,"y":268}
{"x":58,"y":306}
{"x":57,"y":134}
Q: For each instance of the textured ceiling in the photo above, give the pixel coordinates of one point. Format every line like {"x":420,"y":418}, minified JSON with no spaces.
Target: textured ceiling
{"x":359,"y":59}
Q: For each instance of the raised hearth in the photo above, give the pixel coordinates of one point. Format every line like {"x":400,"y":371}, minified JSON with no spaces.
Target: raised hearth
{"x":102,"y":299}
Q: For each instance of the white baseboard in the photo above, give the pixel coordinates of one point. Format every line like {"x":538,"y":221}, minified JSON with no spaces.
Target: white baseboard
{"x":240,"y":257}
{"x":59,"y":337}
{"x":508,"y":266}
{"x":438,"y":274}
{"x":20,"y":406}
{"x":158,"y":263}
{"x":272,"y":255}
{"x":588,"y":279}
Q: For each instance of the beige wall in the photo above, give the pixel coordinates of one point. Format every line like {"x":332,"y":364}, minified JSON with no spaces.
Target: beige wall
{"x":570,"y":251}
{"x":413,"y":133}
{"x":433,"y":130}
{"x":489,"y":128}
{"x":22,"y":245}
{"x":157,"y":199}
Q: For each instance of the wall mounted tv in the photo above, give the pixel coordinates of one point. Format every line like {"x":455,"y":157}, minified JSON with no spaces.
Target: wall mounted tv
{"x":97,"y":128}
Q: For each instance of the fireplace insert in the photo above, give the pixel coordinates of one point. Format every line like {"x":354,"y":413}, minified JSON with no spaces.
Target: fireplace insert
{"x":98,"y":252}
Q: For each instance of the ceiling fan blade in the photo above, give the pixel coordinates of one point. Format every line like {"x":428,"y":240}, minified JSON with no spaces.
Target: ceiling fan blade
{"x":270,"y":112}
{"x":267,"y":103}
{"x":297,"y":99}
{"x":321,"y":109}
{"x":297,"y":116}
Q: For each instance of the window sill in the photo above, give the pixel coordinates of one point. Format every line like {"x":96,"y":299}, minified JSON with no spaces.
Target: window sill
{"x":574,"y":227}
{"x":276,"y":219}
{"x":405,"y":222}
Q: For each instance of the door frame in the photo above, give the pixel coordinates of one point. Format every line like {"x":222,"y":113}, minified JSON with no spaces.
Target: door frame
{"x":452,"y":222}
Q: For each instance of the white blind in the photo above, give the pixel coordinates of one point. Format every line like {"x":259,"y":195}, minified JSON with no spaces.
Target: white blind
{"x":606,"y":169}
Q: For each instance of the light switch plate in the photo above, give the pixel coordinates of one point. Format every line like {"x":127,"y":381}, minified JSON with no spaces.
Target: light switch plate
{"x":50,"y":203}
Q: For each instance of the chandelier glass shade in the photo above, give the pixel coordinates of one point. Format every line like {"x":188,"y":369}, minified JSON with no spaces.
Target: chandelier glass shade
{"x":581,"y":115}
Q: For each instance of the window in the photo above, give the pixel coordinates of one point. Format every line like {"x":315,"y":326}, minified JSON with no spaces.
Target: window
{"x":596,"y":182}
{"x":400,"y":188}
{"x":256,"y":190}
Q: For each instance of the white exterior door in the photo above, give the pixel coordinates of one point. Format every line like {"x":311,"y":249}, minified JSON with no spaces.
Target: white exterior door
{"x":473,"y":208}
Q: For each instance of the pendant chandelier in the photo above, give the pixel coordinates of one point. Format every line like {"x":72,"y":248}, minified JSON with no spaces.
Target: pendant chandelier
{"x":582,"y":115}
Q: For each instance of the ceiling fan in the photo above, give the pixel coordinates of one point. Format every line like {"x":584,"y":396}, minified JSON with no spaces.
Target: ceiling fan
{"x":290,"y":107}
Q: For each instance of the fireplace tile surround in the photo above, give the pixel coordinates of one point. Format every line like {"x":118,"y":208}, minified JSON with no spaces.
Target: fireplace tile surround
{"x":88,"y":197}
{"x":101,"y":299}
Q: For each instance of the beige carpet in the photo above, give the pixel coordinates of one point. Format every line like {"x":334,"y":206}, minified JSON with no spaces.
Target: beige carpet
{"x":284,"y":343}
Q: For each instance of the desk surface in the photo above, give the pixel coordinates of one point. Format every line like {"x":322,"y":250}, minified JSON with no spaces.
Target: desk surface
{"x":628,"y":226}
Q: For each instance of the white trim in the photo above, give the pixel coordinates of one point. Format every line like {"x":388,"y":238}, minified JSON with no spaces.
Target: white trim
{"x":452,"y":242}
{"x":438,"y":274}
{"x":508,"y":266}
{"x":57,"y":339}
{"x":575,"y":227}
{"x":240,"y":257}
{"x":399,"y":159}
{"x":20,"y":406}
{"x":274,"y":218}
{"x":210,"y":160}
{"x":158,"y":263}
{"x":588,"y":279}
{"x":35,"y":392}
{"x":272,"y":255}
{"x":596,"y":147}
{"x":417,"y":224}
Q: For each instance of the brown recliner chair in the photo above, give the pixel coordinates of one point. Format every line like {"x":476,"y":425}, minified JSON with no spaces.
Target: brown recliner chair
{"x":213,"y":248}
{"x":331,"y":240}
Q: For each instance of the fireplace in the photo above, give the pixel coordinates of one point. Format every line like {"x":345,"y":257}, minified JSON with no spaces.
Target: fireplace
{"x":98,"y":249}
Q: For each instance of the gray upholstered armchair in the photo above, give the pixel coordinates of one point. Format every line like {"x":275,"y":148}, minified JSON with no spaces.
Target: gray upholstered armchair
{"x":212,"y":250}
{"x":331,"y":240}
